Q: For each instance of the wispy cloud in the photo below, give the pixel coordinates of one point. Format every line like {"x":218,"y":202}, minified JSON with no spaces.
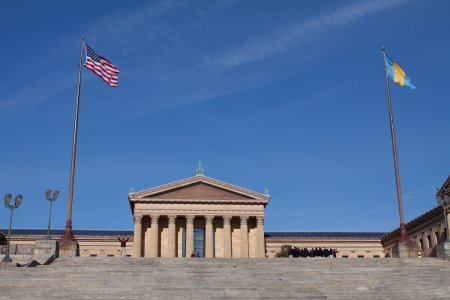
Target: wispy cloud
{"x":136,"y":41}
{"x":220,"y":75}
{"x":165,"y":53}
{"x":418,"y":195}
{"x":291,"y":106}
{"x":114,"y":29}
{"x":291,"y":36}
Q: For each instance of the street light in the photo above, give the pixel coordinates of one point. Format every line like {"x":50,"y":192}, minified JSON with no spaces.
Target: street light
{"x":11,"y":207}
{"x":444,"y":201}
{"x":51,"y":199}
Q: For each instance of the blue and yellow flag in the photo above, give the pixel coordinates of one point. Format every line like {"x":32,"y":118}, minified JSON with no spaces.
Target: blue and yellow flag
{"x":397,"y":74}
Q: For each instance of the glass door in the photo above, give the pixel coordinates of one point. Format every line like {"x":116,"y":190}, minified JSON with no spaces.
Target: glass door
{"x":199,"y":242}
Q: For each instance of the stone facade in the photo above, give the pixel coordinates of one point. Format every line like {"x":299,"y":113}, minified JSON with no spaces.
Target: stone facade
{"x":231,"y":219}
{"x":427,"y":231}
{"x":104,"y":243}
{"x":98,"y":243}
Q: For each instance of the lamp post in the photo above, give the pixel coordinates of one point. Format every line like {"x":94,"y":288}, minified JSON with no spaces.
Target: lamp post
{"x":51,"y":199}
{"x":12,"y":207}
{"x":444,"y":201}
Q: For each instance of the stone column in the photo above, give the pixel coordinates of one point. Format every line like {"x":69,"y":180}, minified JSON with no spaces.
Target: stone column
{"x":189,"y":235}
{"x":226,"y":236}
{"x":172,"y":236}
{"x":137,"y":241}
{"x":448,"y":222}
{"x":260,"y":245}
{"x":244,"y":236}
{"x":154,"y":238}
{"x":209,"y":236}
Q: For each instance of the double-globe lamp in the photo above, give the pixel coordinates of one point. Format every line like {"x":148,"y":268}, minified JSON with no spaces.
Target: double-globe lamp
{"x":12,"y":207}
{"x":48,"y":197}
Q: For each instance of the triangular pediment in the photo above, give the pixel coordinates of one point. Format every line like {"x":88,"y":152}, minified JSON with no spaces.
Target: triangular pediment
{"x":445,"y":188}
{"x":198,"y":188}
{"x":200,"y":191}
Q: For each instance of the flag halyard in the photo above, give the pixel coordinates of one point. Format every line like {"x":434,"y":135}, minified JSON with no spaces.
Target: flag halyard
{"x":102,"y":67}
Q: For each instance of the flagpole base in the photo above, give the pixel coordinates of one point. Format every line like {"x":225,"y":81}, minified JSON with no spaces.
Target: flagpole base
{"x":403,"y":235}
{"x":68,"y":234}
{"x":69,"y":249}
{"x":405,"y":250}
{"x":68,"y":246}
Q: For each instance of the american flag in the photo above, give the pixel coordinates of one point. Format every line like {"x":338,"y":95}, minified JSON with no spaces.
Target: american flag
{"x":102,"y":67}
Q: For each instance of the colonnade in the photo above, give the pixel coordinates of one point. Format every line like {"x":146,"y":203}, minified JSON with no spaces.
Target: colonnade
{"x":209,"y":229}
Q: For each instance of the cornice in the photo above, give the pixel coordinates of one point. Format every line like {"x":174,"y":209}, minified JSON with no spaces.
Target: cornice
{"x":203,"y":201}
{"x":428,"y":219}
{"x":200,"y":212}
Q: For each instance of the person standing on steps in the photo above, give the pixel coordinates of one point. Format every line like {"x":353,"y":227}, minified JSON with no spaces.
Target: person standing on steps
{"x":123,"y":245}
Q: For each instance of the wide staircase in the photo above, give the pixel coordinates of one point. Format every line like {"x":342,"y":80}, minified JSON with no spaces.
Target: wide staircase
{"x":196,"y":278}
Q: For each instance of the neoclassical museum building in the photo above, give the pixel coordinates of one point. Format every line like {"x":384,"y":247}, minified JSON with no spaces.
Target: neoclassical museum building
{"x":210,"y":218}
{"x":199,"y":215}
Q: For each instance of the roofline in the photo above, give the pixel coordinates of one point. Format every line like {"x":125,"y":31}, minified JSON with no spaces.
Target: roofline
{"x":204,"y":201}
{"x":334,"y":235}
{"x":311,"y":231}
{"x":63,"y":229}
{"x":318,"y":238}
{"x":197,"y":178}
{"x":435,"y":211}
{"x":87,"y":234}
{"x":134,"y":197}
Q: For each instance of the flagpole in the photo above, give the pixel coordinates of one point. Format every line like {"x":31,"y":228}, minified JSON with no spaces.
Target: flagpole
{"x":68,"y":234}
{"x":403,"y":235}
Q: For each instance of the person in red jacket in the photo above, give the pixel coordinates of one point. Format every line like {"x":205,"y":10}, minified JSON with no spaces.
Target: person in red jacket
{"x":123,"y":245}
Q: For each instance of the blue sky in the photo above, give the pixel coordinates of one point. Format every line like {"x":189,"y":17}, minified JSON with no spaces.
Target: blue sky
{"x":284,"y":95}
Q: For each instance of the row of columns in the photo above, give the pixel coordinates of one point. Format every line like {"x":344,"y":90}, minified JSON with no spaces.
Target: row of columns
{"x":154,"y":240}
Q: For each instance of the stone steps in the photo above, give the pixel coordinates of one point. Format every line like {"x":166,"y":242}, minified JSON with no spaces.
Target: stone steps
{"x":177,"y":278}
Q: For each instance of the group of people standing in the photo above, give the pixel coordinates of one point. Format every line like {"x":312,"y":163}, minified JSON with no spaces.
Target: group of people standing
{"x":313,"y":252}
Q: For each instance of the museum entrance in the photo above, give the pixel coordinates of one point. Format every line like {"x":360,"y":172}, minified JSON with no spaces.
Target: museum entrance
{"x":199,"y":242}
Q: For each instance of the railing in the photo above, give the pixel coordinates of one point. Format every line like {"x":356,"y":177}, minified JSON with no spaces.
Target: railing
{"x":17,"y":249}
